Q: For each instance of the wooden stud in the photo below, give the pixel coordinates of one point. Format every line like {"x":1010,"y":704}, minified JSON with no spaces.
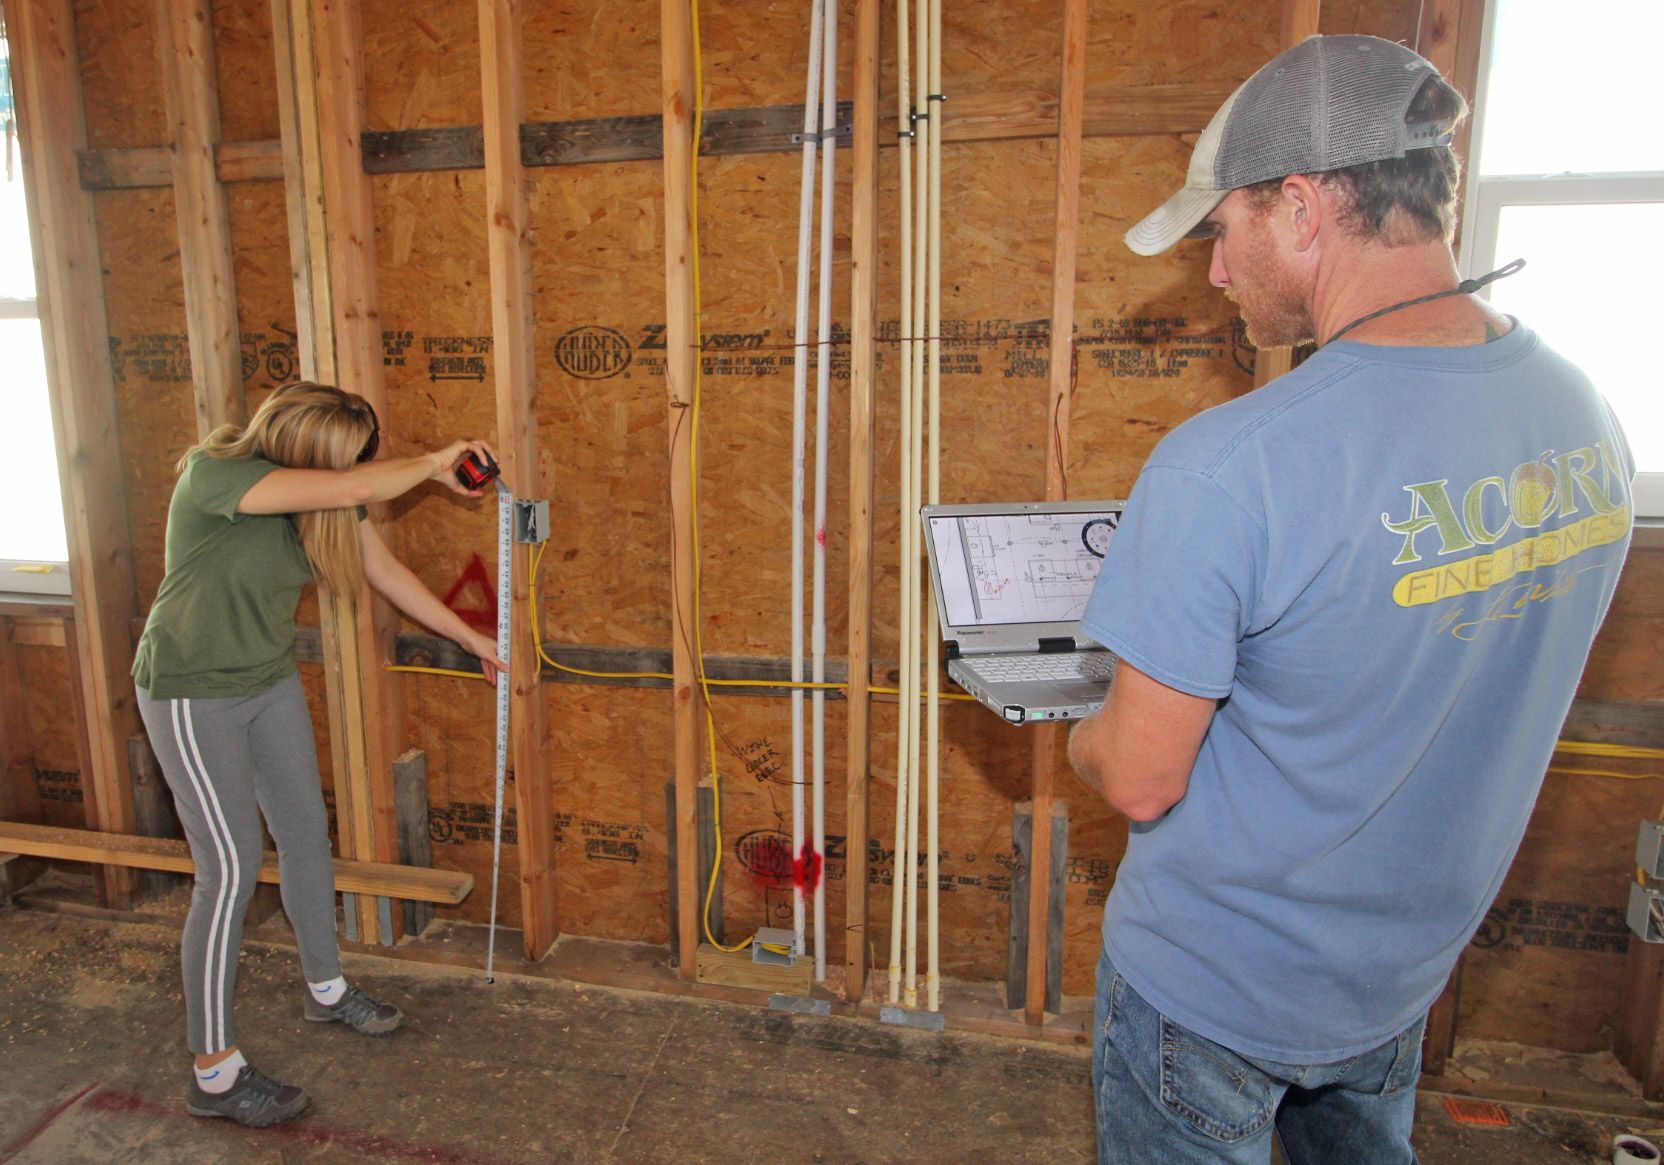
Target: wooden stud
{"x":303,"y":186}
{"x":319,"y":48}
{"x":1638,"y":1040}
{"x":681,"y":337}
{"x":1439,"y":1036}
{"x":1071,"y":113}
{"x":358,"y":368}
{"x":185,"y":44}
{"x":1449,"y":33}
{"x":502,"y":78}
{"x":410,"y":777}
{"x":1024,"y":936}
{"x":1299,"y":22}
{"x":863,"y":374}
{"x":132,"y":852}
{"x":46,"y":86}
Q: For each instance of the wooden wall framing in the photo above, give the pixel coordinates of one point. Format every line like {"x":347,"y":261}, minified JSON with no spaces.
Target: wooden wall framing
{"x":680,"y":99}
{"x":516,"y":384}
{"x":595,"y":209}
{"x":71,"y":301}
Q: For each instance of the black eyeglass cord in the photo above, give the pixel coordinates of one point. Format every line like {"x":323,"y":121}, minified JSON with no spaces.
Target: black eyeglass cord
{"x":1466,"y":287}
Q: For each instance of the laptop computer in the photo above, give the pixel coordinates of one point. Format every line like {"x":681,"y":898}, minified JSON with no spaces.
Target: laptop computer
{"x":1011,"y":584}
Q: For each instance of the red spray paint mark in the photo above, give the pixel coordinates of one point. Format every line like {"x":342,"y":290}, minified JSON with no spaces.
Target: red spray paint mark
{"x":806,"y":869}
{"x":820,"y":536}
{"x":482,"y":618}
{"x":307,"y":1130}
{"x":28,"y":1136}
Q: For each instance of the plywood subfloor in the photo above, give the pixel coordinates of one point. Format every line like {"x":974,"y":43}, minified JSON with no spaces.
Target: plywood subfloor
{"x":532,"y":1070}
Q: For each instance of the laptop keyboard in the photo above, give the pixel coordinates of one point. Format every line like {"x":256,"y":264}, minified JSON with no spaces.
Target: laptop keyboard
{"x":1077,"y":665}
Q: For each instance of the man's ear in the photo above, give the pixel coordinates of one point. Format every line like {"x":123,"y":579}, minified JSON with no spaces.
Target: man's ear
{"x":1303,"y":208}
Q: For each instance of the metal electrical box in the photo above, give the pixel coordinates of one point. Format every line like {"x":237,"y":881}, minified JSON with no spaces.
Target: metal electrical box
{"x":1646,"y":912}
{"x":1649,"y":849}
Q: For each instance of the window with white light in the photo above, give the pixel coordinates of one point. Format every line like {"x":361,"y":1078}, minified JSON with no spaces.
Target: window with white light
{"x":33,"y":548}
{"x":1568,"y":173}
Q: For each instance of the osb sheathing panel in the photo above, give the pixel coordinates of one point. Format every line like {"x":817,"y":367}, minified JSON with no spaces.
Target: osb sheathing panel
{"x":150,"y":358}
{"x":1548,"y":964}
{"x":422,"y":63}
{"x":596,"y":261}
{"x":121,"y":79}
{"x":49,"y":712}
{"x":247,"y":68}
{"x":436,"y":323}
{"x":1624,"y":664}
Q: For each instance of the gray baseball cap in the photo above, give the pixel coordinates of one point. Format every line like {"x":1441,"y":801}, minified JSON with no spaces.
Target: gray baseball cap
{"x":1328,"y":102}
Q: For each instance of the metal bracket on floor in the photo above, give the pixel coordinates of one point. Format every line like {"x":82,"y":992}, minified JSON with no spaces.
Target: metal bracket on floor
{"x":933,"y":1021}
{"x":801,"y":1004}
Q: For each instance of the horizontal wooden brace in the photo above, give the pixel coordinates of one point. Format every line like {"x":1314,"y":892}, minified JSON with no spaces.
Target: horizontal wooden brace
{"x":433,"y":651}
{"x":984,"y":117}
{"x":37,"y":631}
{"x":382,"y":879}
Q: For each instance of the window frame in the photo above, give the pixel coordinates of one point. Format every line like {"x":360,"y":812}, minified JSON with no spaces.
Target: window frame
{"x":1486,"y":197}
{"x":32,"y":576}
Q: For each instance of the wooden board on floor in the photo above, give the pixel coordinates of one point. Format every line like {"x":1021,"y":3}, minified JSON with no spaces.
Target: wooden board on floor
{"x":157,"y":853}
{"x":739,"y":969}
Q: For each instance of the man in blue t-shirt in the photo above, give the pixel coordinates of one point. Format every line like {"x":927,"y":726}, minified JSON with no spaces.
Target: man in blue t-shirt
{"x":1351,"y":609}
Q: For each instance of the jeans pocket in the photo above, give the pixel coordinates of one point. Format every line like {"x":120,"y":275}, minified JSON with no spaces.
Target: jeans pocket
{"x":1406,"y":1061}
{"x":1216,"y":1091}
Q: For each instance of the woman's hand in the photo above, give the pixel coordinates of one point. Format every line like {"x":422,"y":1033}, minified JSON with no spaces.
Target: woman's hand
{"x":448,"y":459}
{"x":486,"y":649}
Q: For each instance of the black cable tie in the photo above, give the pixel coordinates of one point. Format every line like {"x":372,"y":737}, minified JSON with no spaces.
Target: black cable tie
{"x":937,"y":97}
{"x":905,"y":133}
{"x":921,"y":117}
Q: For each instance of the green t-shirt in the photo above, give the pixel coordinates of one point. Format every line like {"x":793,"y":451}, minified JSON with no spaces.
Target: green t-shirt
{"x":223,"y":623}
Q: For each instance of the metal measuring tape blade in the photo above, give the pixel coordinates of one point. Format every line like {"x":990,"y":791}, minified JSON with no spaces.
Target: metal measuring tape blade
{"x":505,"y":602}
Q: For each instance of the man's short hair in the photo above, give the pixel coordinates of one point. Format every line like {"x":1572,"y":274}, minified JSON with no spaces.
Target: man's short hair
{"x":1396,"y":201}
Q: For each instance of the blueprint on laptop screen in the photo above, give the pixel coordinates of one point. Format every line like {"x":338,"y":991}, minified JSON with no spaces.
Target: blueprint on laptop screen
{"x":1019,"y":568}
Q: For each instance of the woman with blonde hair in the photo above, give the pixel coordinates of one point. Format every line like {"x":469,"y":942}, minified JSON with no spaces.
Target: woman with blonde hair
{"x":258,"y":512}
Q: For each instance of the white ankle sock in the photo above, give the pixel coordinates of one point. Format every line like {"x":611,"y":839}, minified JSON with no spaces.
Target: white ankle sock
{"x":221,"y":1076}
{"x":329,"y":992}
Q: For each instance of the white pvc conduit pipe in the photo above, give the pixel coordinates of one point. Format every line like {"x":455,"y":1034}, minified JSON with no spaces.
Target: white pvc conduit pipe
{"x":921,"y":240}
{"x":906,"y":707}
{"x":800,"y":399}
{"x":823,"y":404}
{"x":933,"y":633}
{"x":921,"y":312}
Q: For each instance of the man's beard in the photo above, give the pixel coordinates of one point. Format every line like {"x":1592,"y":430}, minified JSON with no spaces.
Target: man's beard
{"x":1270,"y":299}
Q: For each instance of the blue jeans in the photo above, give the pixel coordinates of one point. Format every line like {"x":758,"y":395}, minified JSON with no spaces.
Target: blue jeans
{"x":1167,"y":1096}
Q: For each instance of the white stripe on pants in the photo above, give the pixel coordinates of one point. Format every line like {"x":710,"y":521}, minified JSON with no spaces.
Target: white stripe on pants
{"x":228,"y":762}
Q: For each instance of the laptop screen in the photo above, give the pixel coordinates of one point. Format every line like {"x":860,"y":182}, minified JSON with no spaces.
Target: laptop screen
{"x":997,"y":569}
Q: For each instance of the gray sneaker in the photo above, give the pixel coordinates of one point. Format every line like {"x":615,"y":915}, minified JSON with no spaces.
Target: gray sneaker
{"x":255,"y":1100}
{"x":364,"y":1015}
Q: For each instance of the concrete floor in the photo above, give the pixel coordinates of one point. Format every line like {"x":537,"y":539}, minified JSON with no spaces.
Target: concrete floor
{"x":92,"y":1069}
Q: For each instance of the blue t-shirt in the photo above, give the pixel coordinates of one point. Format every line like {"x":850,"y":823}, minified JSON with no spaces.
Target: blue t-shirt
{"x":1388,"y":566}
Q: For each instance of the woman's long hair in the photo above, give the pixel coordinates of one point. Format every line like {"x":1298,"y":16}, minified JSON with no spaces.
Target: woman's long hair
{"x":309,"y":426}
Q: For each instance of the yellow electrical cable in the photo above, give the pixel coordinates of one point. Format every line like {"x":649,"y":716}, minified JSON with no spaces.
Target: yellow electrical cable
{"x":693,"y":479}
{"x":436,"y":671}
{"x":1571,"y":772}
{"x":1599,"y":748}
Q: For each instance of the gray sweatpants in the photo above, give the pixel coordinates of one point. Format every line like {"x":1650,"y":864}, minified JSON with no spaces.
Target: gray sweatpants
{"x":221,"y":758}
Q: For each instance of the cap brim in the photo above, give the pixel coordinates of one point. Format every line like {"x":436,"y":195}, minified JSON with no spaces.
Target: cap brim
{"x":1173,"y":219}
